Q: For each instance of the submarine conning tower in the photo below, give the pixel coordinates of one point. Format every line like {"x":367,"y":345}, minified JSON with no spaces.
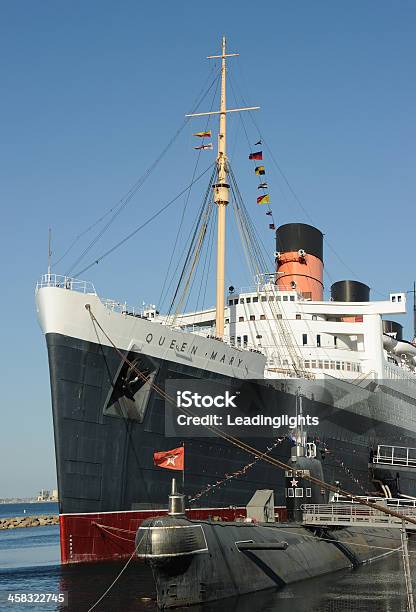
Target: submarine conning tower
{"x":299,"y":490}
{"x":299,"y":260}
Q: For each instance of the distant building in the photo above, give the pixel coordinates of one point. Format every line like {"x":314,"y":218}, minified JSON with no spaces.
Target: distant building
{"x":44,"y":495}
{"x":54,"y":495}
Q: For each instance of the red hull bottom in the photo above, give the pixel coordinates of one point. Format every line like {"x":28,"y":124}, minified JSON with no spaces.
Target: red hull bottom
{"x":110,"y":536}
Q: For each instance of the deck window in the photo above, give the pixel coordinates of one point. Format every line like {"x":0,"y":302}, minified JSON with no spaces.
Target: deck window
{"x":252,"y":317}
{"x":304,"y":339}
{"x":241,"y":319}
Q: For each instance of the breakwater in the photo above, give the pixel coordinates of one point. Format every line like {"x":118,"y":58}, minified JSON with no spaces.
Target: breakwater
{"x":39,"y":520}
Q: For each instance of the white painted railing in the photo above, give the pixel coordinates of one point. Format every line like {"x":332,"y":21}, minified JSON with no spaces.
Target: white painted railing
{"x":65,"y":282}
{"x":395,"y":455}
{"x":355,"y":514}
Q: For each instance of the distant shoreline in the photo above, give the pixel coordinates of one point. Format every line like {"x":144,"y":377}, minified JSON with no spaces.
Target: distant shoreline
{"x":28,"y":501}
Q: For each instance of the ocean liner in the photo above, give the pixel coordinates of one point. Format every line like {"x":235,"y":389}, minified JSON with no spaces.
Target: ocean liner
{"x":109,"y":365}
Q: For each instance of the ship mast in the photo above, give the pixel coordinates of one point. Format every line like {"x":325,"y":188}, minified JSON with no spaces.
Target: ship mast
{"x":221,"y":188}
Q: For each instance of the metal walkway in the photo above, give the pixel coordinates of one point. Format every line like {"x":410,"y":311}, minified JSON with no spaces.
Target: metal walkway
{"x":343,"y":514}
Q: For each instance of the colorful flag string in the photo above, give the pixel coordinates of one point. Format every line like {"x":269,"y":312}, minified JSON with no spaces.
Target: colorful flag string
{"x":241,"y":472}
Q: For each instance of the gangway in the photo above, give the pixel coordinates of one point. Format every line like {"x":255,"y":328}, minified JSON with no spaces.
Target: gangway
{"x":356,"y":515}
{"x":395,"y":455}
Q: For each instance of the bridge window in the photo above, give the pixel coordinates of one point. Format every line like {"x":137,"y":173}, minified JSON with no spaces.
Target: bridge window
{"x":285,"y":298}
{"x":241,"y":319}
{"x":304,"y":339}
{"x":318,"y":340}
{"x":252,"y":317}
{"x":245,"y":340}
{"x":248,"y":300}
{"x":262,"y":317}
{"x":298,"y":317}
{"x":255,"y":299}
{"x":263,"y":298}
{"x":292,"y":298}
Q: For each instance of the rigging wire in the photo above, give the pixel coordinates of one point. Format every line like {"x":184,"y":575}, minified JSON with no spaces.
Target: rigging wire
{"x":294,"y":194}
{"x":205,"y":270}
{"x":137,"y":229}
{"x":192,"y":245}
{"x":138,"y":184}
{"x":161,"y":297}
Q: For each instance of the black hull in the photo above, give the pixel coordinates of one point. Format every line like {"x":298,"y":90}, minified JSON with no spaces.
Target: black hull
{"x":104,"y":446}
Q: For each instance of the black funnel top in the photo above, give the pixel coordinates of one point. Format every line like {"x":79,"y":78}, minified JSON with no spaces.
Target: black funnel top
{"x":394,"y":329}
{"x":350,"y":291}
{"x":295,"y":236}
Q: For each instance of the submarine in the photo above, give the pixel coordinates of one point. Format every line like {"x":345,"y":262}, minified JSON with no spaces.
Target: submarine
{"x":195,"y":562}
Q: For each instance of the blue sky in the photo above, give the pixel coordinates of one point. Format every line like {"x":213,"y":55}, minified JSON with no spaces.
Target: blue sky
{"x":92,"y":92}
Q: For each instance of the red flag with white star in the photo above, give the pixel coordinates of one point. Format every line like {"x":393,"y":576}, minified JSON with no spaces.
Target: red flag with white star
{"x":172,"y":459}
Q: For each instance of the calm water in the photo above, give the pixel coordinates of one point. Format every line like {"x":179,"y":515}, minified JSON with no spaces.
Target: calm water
{"x":11,"y":510}
{"x":29,"y":562}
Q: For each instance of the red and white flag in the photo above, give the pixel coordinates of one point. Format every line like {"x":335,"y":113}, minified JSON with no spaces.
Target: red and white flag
{"x":172,"y":459}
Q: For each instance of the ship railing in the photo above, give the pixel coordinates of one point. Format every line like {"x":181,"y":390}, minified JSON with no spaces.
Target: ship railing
{"x":209,"y":332}
{"x":65,"y":282}
{"x":395,"y":455}
{"x":386,"y":501}
{"x":142,"y":312}
{"x":353,"y":514}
